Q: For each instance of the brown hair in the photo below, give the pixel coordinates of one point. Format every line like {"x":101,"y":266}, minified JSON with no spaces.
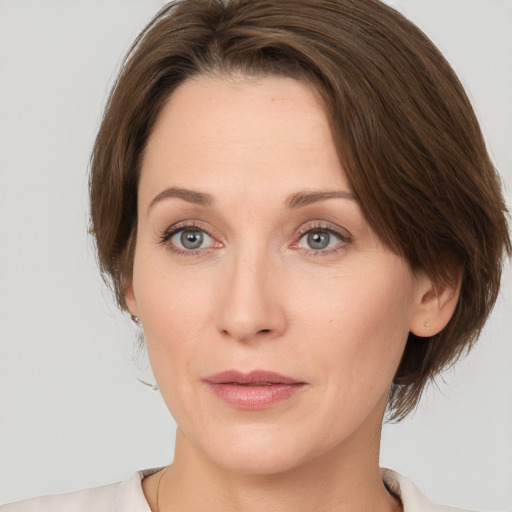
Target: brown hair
{"x":405,"y":130}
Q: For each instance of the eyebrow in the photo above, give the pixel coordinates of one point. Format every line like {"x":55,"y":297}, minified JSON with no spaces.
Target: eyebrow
{"x":305,"y":198}
{"x":191,"y":196}
{"x":294,"y":201}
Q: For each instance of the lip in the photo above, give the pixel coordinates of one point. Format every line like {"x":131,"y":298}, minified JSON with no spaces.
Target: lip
{"x":258,"y":389}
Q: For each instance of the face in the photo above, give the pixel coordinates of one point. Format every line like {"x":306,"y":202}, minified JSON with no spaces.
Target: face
{"x":273,"y":317}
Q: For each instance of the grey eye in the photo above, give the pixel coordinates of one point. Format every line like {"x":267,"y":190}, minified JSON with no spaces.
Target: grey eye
{"x":318,"y":239}
{"x":191,"y":239}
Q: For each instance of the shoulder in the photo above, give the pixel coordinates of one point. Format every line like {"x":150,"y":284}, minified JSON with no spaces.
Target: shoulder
{"x":125,"y":496}
{"x":100,"y":499}
{"x":412,"y":498}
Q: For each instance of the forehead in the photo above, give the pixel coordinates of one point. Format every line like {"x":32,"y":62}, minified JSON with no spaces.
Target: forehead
{"x":214,"y":129}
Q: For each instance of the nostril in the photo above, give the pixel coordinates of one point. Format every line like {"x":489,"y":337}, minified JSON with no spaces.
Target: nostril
{"x":264,"y":330}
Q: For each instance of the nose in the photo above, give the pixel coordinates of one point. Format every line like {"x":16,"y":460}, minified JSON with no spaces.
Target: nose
{"x":250,"y":306}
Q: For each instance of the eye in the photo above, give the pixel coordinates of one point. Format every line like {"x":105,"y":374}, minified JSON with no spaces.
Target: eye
{"x":322,"y":240}
{"x":319,"y":240}
{"x":188,"y":239}
{"x":191,"y":239}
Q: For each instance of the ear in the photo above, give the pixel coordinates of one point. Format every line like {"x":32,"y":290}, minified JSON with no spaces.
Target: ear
{"x":435,"y":304}
{"x":129,"y":297}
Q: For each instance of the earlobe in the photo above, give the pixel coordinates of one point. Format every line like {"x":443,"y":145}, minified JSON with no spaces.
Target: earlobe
{"x":436,"y":303}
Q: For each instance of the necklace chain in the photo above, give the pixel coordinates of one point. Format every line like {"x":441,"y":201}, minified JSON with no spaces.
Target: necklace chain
{"x":158,"y":489}
{"x":165,"y":471}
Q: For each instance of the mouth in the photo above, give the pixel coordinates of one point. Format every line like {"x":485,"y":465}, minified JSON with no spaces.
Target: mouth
{"x":258,"y":389}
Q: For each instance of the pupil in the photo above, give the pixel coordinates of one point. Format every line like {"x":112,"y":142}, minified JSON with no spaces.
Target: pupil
{"x":191,"y":239}
{"x":318,"y":239}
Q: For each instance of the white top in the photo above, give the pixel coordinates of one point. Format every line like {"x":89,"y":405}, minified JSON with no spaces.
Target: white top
{"x":127,"y":496}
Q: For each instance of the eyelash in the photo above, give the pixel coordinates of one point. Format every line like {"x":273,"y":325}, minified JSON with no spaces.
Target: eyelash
{"x":343,"y":236}
{"x":184,"y":226}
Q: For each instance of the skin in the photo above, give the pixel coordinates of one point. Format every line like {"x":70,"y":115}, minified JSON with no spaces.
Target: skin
{"x":256,"y":295}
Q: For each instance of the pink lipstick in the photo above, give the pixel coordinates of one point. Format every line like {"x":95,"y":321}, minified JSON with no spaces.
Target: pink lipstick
{"x":257,"y":389}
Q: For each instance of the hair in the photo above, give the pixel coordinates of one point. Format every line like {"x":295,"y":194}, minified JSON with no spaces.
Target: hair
{"x":405,"y":131}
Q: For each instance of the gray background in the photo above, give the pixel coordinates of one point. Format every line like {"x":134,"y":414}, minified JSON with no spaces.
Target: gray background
{"x":72,"y":413}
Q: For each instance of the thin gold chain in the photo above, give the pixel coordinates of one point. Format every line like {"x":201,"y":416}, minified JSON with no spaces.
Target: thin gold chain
{"x":165,"y":471}
{"x":158,"y":489}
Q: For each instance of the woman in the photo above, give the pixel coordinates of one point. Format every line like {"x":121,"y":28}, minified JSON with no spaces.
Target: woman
{"x":294,"y":201}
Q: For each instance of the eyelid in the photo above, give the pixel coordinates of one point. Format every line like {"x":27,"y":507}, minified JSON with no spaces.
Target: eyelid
{"x":343,"y":234}
{"x":187,"y":225}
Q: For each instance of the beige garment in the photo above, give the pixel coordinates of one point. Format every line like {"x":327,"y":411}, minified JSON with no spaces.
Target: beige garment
{"x":127,"y":496}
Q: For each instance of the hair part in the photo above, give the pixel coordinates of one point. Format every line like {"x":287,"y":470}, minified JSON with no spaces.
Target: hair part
{"x":405,"y":131}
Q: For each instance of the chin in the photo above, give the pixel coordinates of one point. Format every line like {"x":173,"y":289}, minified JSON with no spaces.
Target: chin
{"x":265,"y":461}
{"x":257,"y":449}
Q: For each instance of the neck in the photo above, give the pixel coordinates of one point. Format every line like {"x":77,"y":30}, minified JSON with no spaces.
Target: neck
{"x":343,"y":479}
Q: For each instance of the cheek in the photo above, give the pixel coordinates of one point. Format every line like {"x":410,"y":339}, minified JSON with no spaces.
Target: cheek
{"x":357,"y":322}
{"x":176,"y":308}
{"x":174,"y":324}
{"x":353,"y":333}
{"x":168,"y":295}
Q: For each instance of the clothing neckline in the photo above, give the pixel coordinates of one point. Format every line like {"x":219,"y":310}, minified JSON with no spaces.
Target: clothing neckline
{"x":130,"y":495}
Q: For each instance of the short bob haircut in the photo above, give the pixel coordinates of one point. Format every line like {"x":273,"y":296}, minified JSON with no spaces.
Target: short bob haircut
{"x":405,"y":131}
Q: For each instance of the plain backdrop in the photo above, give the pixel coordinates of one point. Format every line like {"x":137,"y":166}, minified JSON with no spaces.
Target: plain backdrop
{"x":72,"y":413}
